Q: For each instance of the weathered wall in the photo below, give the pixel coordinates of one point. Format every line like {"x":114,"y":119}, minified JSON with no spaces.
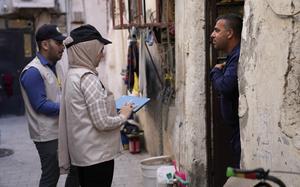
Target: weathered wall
{"x":96,"y":13}
{"x":150,"y":116}
{"x":189,"y":132}
{"x":116,"y":58}
{"x":269,"y":80}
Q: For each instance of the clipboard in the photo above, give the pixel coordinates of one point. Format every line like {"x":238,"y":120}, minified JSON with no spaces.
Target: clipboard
{"x":138,"y":102}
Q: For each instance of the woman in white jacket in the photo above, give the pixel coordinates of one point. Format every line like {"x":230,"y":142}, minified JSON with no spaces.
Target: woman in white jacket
{"x":89,"y":125}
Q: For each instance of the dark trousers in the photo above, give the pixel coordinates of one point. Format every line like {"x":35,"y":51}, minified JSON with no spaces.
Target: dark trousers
{"x":72,"y":179}
{"x":49,"y":165}
{"x":98,"y":175}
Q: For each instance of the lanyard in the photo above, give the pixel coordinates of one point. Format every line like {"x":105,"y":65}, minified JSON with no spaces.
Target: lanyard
{"x":58,"y":82}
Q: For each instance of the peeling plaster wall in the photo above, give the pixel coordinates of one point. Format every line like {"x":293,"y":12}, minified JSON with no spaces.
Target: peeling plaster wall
{"x":190,"y":127}
{"x":150,"y":118}
{"x":269,"y":75}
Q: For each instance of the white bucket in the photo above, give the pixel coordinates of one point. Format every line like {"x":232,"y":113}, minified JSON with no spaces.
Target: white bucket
{"x":149,"y":168}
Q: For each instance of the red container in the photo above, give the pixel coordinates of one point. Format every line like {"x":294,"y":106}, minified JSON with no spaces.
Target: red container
{"x":134,"y":145}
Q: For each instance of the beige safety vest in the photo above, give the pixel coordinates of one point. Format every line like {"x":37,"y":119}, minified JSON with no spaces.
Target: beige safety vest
{"x":86,"y":144}
{"x":41,"y":127}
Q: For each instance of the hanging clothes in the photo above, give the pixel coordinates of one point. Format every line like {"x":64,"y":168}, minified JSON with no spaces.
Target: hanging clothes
{"x":8,"y":81}
{"x":136,"y":89}
{"x":132,"y":64}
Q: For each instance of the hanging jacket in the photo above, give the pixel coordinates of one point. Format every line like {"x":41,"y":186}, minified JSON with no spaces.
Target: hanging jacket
{"x":132,"y":64}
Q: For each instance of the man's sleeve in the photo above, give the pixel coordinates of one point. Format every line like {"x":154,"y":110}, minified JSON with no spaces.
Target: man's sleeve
{"x":225,"y":82}
{"x":34,"y":86}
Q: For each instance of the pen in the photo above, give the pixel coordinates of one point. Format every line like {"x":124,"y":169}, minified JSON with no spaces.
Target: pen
{"x":131,"y":103}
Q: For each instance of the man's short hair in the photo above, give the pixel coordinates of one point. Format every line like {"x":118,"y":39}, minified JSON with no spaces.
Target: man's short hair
{"x":39,"y":44}
{"x":234,"y":22}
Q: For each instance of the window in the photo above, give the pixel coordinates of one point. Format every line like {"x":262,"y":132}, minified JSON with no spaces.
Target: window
{"x":138,"y":13}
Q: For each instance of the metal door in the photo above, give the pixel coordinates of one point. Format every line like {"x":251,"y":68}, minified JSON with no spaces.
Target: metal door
{"x":13,"y":57}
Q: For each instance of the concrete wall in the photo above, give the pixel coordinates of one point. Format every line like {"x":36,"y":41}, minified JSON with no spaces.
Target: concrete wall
{"x":189,"y":134}
{"x":269,"y":80}
{"x":96,"y":13}
{"x":151,"y":116}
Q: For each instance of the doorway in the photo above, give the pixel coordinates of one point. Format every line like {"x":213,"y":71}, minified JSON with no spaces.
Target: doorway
{"x":218,"y":134}
{"x":16,"y":50}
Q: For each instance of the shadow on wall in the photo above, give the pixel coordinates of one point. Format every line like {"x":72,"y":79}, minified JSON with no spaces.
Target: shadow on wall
{"x":153,"y":85}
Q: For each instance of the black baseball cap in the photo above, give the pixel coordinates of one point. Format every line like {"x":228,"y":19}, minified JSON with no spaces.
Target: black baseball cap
{"x":86,"y":33}
{"x":49,"y":31}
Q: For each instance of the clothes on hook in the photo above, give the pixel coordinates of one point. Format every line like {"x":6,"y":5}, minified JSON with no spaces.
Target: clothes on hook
{"x":132,"y":65}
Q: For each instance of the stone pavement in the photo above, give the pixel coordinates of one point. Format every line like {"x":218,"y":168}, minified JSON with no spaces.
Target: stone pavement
{"x":22,"y":169}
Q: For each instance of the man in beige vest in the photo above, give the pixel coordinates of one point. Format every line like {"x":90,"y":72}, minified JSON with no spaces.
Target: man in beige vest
{"x":41,"y":91}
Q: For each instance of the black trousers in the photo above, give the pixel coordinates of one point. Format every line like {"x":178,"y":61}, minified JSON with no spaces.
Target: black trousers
{"x":72,"y":179}
{"x":98,"y":175}
{"x":49,"y":165}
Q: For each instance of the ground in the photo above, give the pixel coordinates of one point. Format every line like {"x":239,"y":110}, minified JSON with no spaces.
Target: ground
{"x":22,"y":168}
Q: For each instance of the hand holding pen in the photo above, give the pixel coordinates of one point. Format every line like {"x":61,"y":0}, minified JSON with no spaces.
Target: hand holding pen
{"x":127,"y":109}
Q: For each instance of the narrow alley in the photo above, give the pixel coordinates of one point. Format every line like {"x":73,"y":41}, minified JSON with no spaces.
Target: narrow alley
{"x":221,"y":79}
{"x":22,"y":168}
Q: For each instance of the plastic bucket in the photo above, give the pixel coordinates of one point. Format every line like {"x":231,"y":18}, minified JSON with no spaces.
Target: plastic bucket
{"x":149,"y":168}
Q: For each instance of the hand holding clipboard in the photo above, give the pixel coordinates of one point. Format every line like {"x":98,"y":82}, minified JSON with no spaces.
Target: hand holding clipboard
{"x":136,"y":102}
